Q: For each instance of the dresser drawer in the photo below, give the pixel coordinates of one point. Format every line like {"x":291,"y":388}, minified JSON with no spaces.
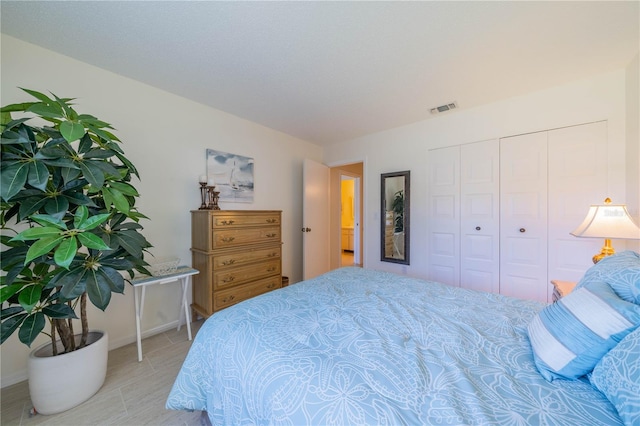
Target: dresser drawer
{"x":231,"y":277}
{"x":243,"y":257}
{"x":223,"y":238}
{"x":226,"y":298}
{"x":236,"y":219}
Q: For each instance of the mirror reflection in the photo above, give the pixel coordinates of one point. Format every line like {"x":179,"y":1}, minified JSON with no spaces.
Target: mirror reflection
{"x":395,"y":217}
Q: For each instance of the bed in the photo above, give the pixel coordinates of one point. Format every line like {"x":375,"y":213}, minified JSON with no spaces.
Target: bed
{"x":362,"y":347}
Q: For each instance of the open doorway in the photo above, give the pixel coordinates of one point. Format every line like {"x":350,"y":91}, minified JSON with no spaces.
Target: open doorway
{"x":346,"y":215}
{"x":348,"y":220}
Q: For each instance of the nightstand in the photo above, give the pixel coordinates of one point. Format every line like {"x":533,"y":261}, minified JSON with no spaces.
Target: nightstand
{"x":561,"y":289}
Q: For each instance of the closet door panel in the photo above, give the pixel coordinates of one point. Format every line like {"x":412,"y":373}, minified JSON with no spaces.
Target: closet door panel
{"x":577,"y":179}
{"x":479,"y":216}
{"x":523,"y":216}
{"x":444,"y":215}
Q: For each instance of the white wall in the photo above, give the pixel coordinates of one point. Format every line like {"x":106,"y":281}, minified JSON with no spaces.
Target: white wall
{"x":406,"y":148}
{"x":633,"y":141}
{"x":165,"y":136}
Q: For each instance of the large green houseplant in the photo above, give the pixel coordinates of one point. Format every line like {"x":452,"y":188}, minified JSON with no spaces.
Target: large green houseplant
{"x":69,"y":222}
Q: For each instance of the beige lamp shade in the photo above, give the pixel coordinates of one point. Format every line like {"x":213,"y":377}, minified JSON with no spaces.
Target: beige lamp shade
{"x":608,"y":221}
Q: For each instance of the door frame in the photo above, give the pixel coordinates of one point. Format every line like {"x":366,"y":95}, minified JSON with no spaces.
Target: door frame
{"x":334,"y":225}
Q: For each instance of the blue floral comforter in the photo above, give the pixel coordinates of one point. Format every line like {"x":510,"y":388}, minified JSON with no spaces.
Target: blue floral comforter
{"x":361,"y":347}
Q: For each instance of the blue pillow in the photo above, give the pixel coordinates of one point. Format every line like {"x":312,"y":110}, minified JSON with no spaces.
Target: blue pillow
{"x":617,"y":375}
{"x":570,"y":336}
{"x":621,"y":271}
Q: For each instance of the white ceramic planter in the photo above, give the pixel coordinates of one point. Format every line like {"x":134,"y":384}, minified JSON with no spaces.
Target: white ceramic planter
{"x":58,"y":383}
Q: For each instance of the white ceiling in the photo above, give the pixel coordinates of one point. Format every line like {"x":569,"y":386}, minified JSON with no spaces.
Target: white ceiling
{"x":327,"y":72}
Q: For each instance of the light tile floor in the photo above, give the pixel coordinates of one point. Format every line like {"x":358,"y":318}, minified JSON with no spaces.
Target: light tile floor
{"x":134,"y":393}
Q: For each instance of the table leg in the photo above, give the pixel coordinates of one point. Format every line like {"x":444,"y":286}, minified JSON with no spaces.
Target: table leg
{"x":185,"y":305}
{"x":137,"y":302}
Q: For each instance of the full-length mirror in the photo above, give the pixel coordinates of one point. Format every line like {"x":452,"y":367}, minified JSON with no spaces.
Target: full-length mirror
{"x":394,"y":193}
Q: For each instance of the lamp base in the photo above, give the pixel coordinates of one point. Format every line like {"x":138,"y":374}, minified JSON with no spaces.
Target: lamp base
{"x":607,"y":250}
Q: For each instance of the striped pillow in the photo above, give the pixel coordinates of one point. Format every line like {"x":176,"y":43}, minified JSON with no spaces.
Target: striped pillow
{"x":570,"y":336}
{"x":621,"y":271}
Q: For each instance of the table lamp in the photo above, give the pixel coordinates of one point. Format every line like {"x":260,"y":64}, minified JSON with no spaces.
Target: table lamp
{"x":608,"y":221}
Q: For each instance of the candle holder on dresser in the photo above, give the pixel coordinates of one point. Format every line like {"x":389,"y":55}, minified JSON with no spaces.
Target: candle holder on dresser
{"x":213,"y":198}
{"x":204,"y":196}
{"x":208,"y":194}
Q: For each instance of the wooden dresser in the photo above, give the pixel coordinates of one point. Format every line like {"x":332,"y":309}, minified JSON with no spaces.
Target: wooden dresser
{"x":238,"y":254}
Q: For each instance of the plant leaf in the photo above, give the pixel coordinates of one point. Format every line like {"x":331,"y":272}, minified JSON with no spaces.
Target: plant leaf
{"x":98,"y":289}
{"x":36,"y":233}
{"x":10,"y":325}
{"x":12,"y":179}
{"x":31,"y":327}
{"x":71,"y":131}
{"x":92,"y":241}
{"x":114,"y":280}
{"x":46,"y":110}
{"x":81,"y":215}
{"x":45,"y":219}
{"x":59,"y":310}
{"x":93,"y":222}
{"x":41,"y":247}
{"x":38,"y":175}
{"x":92,"y":174}
{"x":120,"y":201}
{"x":29,"y":297}
{"x":7,"y":291}
{"x":57,"y":206}
{"x":125,"y":188}
{"x":65,"y":252}
{"x":73,"y":283}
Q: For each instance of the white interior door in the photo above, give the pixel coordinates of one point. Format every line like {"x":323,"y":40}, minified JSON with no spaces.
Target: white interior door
{"x":577,"y":179}
{"x":523,"y":216}
{"x":444,"y":215}
{"x":315,"y":219}
{"x":480,"y":216}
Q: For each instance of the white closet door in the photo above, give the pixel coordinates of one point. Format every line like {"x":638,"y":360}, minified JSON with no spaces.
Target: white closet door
{"x":444,"y":215}
{"x":577,"y":179}
{"x":480,"y":221}
{"x":523,"y":216}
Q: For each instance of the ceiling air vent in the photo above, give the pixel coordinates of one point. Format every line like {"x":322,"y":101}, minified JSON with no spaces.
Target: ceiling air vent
{"x":444,"y":108}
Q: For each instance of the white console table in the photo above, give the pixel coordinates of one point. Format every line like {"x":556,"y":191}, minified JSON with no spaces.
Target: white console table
{"x":183,"y":276}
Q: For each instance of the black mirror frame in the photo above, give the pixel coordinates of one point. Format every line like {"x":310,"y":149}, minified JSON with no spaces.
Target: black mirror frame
{"x":406,"y":213}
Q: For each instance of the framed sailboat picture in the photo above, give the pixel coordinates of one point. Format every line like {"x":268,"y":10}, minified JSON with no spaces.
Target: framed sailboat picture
{"x":232,"y":175}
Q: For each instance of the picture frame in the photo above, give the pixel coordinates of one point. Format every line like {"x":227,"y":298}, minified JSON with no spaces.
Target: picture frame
{"x":232,"y":175}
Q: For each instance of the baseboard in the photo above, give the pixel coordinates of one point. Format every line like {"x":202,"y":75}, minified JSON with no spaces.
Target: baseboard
{"x":21,"y":375}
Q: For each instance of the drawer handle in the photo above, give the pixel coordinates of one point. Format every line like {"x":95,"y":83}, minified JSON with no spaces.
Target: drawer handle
{"x":523,"y":230}
{"x":272,"y":285}
{"x":272,"y":220}
{"x":229,"y":262}
{"x":271,"y":269}
{"x":228,"y":299}
{"x":228,"y":279}
{"x":271,"y":235}
{"x":227,"y":222}
{"x":228,"y":239}
{"x":272,"y":254}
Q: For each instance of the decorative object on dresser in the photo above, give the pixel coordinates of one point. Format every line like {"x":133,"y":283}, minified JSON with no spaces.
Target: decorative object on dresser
{"x":234,"y":175}
{"x":238,"y":254}
{"x":208,"y":194}
{"x":608,"y":221}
